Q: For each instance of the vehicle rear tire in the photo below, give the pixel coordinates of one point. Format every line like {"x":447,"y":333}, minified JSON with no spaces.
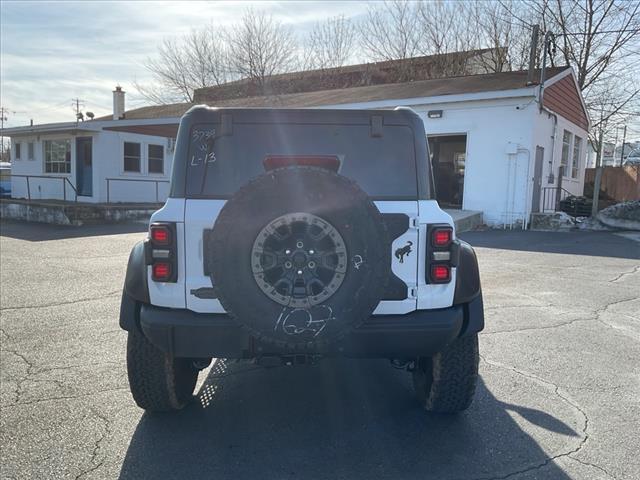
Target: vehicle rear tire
{"x":158,"y":382}
{"x":446,"y":382}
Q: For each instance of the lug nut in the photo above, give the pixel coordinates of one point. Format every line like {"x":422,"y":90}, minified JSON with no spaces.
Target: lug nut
{"x":299,"y":244}
{"x":288,"y":265}
{"x":312,"y":264}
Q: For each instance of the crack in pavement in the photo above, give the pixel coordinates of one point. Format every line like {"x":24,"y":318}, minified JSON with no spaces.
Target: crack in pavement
{"x":544,"y":327}
{"x":566,"y":399}
{"x":90,"y":299}
{"x":33,"y":370}
{"x":20,"y":381}
{"x":601,"y":311}
{"x":500,"y":307}
{"x":63,"y":397}
{"x":593,"y":465}
{"x":96,"y":447}
{"x":598,"y":312}
{"x":624,"y":274}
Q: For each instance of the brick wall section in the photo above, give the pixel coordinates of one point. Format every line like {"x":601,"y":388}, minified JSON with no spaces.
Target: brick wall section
{"x":563,"y":98}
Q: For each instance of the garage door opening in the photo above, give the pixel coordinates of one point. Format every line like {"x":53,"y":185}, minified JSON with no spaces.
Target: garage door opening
{"x":448,"y":155}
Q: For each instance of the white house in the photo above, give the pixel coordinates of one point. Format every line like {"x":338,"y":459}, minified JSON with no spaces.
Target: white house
{"x":497,"y":142}
{"x":87,"y":161}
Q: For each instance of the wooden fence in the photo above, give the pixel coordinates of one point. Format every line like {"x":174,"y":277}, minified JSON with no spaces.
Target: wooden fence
{"x":618,"y":183}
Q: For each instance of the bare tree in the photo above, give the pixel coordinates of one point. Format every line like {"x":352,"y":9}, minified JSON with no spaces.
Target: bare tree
{"x":507,"y":41}
{"x":195,"y":60}
{"x":330,"y":44}
{"x":261,"y":47}
{"x":447,"y":35}
{"x":390,"y":31}
{"x":600,"y":39}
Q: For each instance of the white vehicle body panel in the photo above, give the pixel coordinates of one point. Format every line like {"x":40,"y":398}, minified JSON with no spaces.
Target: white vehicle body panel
{"x":433,"y":295}
{"x":193,"y":216}
{"x":200,"y":215}
{"x":170,"y":294}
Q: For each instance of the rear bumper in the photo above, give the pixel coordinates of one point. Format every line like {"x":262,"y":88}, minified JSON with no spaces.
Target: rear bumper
{"x":183,"y":333}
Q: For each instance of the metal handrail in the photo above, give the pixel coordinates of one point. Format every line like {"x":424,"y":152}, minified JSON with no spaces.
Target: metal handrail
{"x":147,"y":180}
{"x":564,"y":193}
{"x":64,"y":180}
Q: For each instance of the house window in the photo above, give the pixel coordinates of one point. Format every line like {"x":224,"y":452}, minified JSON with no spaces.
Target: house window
{"x":131,"y":157}
{"x":575,"y":161}
{"x":17,"y":149}
{"x":57,"y":156}
{"x":30,"y":155}
{"x":566,"y":148}
{"x":156,"y":159}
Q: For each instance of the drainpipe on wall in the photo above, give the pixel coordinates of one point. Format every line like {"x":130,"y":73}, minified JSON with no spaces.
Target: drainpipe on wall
{"x":551,"y":177}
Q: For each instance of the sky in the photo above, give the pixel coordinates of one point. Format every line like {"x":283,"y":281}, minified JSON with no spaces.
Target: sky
{"x":53,"y":52}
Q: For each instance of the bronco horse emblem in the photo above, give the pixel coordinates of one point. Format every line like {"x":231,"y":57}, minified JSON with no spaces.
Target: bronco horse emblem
{"x":406,"y":250}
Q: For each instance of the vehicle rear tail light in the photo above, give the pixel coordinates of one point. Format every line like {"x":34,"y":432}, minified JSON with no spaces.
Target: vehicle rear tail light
{"x":161,"y":271}
{"x":441,"y":237}
{"x":440,"y":273}
{"x":330,"y":162}
{"x":161,"y":252}
{"x":440,"y":258}
{"x":160,"y":234}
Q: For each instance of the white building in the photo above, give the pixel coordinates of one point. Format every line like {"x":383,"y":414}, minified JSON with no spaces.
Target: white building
{"x":56,"y":161}
{"x":497,"y":143}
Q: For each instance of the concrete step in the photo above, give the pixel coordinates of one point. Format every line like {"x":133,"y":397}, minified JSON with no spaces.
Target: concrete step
{"x":465,"y":220}
{"x":72,"y":213}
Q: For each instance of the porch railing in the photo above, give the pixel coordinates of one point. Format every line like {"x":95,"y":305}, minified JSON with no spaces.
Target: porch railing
{"x":65,"y":181}
{"x":143,"y":180}
{"x":551,"y":198}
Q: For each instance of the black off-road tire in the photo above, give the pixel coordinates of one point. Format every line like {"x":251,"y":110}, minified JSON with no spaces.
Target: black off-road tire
{"x":302,"y":192}
{"x":446,"y":382}
{"x":158,"y":382}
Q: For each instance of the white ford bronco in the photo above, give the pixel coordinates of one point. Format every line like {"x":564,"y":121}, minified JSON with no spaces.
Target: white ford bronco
{"x":290,"y":235}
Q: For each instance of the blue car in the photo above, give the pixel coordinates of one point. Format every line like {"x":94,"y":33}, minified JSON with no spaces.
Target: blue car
{"x":5,"y":180}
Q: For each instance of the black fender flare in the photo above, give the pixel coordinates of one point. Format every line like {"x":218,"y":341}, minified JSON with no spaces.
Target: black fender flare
{"x":467,"y":273}
{"x":136,"y":290}
{"x":468,"y":289}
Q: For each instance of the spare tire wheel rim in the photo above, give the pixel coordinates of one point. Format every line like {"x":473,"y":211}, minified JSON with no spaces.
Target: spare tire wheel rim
{"x":299,"y":260}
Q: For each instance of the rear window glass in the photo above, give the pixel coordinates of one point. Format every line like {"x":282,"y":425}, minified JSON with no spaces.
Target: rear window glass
{"x":384,"y":167}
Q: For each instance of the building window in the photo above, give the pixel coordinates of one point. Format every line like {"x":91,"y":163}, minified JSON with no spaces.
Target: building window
{"x":156,"y":159}
{"x":30,"y":154}
{"x":17,"y":149}
{"x":57,"y":156}
{"x":131,"y":157}
{"x":566,"y":148}
{"x":575,"y":161}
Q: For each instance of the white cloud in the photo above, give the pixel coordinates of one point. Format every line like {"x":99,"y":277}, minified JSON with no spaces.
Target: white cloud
{"x":52,"y":52}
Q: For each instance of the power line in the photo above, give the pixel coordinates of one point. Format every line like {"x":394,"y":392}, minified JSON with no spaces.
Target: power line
{"x":635,"y":30}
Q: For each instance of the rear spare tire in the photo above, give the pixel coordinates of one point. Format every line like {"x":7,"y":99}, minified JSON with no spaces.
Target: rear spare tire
{"x":299,"y":257}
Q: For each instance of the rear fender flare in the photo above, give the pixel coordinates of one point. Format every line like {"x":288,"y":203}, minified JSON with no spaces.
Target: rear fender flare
{"x":467,"y":273}
{"x":136,"y":290}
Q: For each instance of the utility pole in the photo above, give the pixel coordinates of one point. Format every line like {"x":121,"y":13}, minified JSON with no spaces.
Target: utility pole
{"x":77,"y":104}
{"x":598,"y":179}
{"x":2,"y":120}
{"x":624,"y":139}
{"x":532,"y":53}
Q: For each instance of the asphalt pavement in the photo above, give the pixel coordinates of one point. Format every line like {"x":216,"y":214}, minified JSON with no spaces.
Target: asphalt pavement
{"x":559,"y":395}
